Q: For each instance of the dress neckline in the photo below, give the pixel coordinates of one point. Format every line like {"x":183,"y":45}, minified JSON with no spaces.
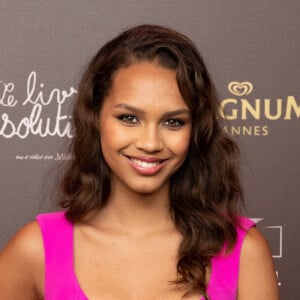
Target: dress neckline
{"x":84,"y":296}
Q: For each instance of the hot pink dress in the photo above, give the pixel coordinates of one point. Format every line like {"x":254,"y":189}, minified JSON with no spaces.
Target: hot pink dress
{"x":61,"y":281}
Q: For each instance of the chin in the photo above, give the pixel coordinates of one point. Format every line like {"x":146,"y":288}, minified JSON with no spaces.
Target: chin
{"x":148,"y":189}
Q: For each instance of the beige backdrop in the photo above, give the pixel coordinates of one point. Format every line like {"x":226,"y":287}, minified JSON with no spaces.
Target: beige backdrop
{"x":252,"y":49}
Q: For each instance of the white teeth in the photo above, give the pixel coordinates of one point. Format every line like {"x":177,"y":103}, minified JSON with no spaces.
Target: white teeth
{"x":144,"y":164}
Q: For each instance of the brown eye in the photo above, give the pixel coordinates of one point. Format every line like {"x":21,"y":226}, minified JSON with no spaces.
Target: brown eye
{"x":174,"y":123}
{"x":129,"y":119}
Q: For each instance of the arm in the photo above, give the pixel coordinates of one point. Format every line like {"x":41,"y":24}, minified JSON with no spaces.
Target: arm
{"x":257,"y":278}
{"x":22,"y":265}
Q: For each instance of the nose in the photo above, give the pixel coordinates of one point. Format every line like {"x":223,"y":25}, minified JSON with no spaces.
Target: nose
{"x":149,"y":140}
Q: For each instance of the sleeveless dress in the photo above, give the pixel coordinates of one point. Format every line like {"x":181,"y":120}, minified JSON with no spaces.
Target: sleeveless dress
{"x":61,"y":281}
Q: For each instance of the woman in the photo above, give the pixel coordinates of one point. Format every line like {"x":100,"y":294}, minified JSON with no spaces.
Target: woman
{"x":150,"y":198}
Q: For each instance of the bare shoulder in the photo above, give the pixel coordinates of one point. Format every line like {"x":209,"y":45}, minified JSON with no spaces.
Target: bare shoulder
{"x":27,"y":240}
{"x":257,"y":278}
{"x":22,"y":264}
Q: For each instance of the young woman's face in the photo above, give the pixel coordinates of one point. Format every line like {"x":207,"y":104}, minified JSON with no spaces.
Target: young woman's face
{"x":145,"y":128}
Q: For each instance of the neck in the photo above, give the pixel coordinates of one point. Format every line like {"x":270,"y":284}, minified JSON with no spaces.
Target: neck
{"x":135,"y":213}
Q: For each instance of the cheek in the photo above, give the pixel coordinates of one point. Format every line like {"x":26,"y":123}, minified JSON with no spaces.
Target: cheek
{"x":111,"y":135}
{"x":179,"y":144}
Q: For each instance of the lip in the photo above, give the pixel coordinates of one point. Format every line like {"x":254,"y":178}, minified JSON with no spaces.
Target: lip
{"x":145,"y":165}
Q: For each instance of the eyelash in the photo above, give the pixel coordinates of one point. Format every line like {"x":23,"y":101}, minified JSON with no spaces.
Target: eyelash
{"x":177,"y":123}
{"x":128,"y":119}
{"x":172,"y":123}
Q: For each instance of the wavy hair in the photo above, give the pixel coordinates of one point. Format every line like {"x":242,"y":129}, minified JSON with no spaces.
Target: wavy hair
{"x":205,"y":191}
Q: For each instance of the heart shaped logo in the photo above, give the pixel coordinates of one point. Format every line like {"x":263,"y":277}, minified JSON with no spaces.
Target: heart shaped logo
{"x":240,"y":88}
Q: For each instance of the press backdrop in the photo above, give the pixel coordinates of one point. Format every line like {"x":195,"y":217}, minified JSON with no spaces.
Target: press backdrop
{"x":252,"y":50}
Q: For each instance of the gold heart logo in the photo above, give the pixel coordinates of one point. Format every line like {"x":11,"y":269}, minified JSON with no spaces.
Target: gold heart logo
{"x":240,"y":88}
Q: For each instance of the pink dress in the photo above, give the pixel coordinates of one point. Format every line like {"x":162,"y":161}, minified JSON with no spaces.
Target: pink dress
{"x":61,"y":281}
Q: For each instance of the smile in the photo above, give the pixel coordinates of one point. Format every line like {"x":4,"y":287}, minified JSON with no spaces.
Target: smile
{"x":146,"y":165}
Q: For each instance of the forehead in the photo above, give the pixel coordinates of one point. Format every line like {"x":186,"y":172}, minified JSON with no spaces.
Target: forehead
{"x":146,"y":83}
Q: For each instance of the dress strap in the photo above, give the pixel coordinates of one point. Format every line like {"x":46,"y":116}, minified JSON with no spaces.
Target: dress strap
{"x":58,"y":238}
{"x":225,"y":266}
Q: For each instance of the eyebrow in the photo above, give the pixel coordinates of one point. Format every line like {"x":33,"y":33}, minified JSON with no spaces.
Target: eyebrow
{"x":142,"y":112}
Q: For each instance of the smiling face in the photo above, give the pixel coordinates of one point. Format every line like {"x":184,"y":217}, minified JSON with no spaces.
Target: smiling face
{"x":145,"y":128}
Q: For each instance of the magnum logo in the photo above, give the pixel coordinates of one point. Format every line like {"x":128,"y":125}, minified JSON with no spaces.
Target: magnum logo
{"x":240,"y":88}
{"x":242,"y":109}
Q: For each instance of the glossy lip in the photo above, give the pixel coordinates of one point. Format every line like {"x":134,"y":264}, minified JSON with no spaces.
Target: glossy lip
{"x":146,"y":171}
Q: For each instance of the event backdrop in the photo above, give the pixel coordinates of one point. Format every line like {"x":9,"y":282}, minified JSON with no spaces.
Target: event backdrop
{"x":252,"y":50}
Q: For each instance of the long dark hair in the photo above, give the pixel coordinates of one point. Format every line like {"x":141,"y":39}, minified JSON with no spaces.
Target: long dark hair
{"x":205,"y":191}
